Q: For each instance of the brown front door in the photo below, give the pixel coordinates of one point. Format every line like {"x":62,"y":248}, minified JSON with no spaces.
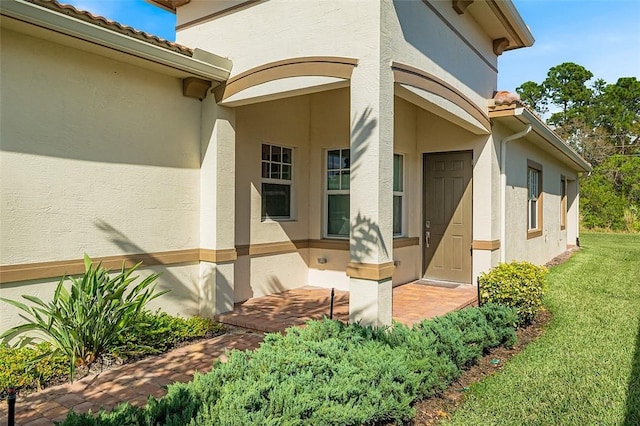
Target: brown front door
{"x":447,"y":216}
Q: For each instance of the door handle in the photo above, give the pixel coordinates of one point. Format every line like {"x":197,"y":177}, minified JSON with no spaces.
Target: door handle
{"x":427,"y":238}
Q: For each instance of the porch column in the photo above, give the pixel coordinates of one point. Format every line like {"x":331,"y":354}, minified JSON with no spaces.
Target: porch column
{"x":486,"y":208}
{"x":371,"y":201}
{"x":217,"y":208}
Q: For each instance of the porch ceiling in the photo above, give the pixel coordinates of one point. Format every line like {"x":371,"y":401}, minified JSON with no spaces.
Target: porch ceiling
{"x":441,"y":107}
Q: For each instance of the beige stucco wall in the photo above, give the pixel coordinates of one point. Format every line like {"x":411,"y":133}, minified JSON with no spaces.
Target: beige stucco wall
{"x":553,"y":240}
{"x":249,"y":37}
{"x":419,"y":37}
{"x":97,"y":156}
{"x":408,"y":32}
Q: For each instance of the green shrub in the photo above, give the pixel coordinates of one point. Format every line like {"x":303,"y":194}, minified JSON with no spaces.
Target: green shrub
{"x":327,"y":373}
{"x":83,"y":322}
{"x":31,"y":367}
{"x":519,"y":285}
{"x":159,"y":332}
{"x":28,"y":367}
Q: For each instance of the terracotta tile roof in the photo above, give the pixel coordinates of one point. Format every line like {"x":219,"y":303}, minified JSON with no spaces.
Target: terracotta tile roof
{"x":504,"y":97}
{"x":114,"y":26}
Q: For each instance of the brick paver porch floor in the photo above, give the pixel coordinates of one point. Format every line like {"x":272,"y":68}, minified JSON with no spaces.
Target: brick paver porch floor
{"x":136,"y":381}
{"x":411,"y":303}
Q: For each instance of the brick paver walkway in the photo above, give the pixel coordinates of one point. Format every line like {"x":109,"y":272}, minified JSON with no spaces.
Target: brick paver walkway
{"x":130,"y":382}
{"x":136,"y":381}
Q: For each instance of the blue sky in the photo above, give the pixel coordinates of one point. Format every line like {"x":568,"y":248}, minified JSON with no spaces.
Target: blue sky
{"x":601,"y":35}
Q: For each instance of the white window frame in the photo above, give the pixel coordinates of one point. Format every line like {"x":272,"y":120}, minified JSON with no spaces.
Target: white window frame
{"x":276,"y":181}
{"x":329,"y":192}
{"x":534,"y":194}
{"x":563,"y":202}
{"x":401,"y":194}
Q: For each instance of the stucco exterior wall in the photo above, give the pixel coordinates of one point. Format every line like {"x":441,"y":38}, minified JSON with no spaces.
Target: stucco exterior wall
{"x":249,"y":37}
{"x":97,"y":156}
{"x":553,"y":240}
{"x":417,"y":36}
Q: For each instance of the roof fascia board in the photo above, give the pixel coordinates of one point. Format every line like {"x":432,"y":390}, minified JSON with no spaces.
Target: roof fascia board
{"x":218,"y":70}
{"x":513,"y":17}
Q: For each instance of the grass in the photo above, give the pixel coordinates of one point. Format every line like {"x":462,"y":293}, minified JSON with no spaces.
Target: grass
{"x":585,"y":369}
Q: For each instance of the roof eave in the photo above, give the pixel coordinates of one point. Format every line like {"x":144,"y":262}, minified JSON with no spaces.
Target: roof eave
{"x":524,"y":36}
{"x":527,"y":117}
{"x":215,"y":68}
{"x":169,"y":5}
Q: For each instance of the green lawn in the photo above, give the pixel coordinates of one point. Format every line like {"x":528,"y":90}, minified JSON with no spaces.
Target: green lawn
{"x":585,"y":369}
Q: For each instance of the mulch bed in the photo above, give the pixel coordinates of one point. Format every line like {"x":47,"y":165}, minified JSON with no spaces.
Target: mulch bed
{"x":433,"y":410}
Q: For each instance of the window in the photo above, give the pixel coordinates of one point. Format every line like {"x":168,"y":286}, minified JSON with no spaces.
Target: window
{"x":338,"y":181}
{"x":398,"y":194}
{"x":563,"y":202}
{"x":277,"y":177}
{"x":534,"y":199}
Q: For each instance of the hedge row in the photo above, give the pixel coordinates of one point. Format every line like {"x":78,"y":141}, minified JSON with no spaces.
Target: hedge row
{"x":327,"y":373}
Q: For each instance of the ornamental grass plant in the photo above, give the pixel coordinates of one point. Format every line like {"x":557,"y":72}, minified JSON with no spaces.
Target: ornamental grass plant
{"x":84,"y":320}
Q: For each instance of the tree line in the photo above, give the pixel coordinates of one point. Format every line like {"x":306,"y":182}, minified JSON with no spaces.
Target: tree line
{"x":601,"y":122}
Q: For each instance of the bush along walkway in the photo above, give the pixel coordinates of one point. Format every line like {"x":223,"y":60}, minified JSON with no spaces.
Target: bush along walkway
{"x":130,"y":382}
{"x":585,"y":369}
{"x":327,"y":373}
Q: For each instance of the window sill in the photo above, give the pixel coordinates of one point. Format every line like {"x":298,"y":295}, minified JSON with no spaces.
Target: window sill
{"x":534,"y":233}
{"x":275,"y":220}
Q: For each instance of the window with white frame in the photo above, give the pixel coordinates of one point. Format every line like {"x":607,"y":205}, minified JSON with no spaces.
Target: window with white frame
{"x":338,"y":181}
{"x":563,"y":202}
{"x":277,"y":179}
{"x":534,"y":198}
{"x":337,"y":188}
{"x":398,"y":194}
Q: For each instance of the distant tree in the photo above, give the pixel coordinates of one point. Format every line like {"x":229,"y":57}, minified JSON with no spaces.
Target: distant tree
{"x":602,"y":123}
{"x":565,"y":87}
{"x":534,"y":95}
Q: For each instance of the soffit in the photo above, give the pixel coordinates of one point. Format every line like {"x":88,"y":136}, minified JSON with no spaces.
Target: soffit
{"x":500,"y":20}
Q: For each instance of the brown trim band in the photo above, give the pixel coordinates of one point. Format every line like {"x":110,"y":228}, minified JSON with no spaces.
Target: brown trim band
{"x":370,"y":271}
{"x":58,"y":268}
{"x":326,"y":66}
{"x":218,"y":256}
{"x":55,"y":269}
{"x":405,"y":74}
{"x":485,"y":245}
{"x":264,"y":249}
{"x":406,"y":242}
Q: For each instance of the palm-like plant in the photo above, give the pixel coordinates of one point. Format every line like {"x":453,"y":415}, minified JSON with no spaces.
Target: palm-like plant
{"x":87,"y":319}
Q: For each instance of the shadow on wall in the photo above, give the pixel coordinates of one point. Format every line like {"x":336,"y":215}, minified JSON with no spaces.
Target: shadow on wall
{"x":632,"y":416}
{"x":361,"y":130}
{"x":412,"y":17}
{"x":184,"y":294}
{"x":365,"y":234}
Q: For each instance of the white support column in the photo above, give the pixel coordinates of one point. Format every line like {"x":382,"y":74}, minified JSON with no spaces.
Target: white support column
{"x":371,"y":203}
{"x":217,"y":208}
{"x":486,"y":209}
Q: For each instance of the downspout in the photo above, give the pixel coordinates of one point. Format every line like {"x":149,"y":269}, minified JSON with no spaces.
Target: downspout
{"x":503,"y":188}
